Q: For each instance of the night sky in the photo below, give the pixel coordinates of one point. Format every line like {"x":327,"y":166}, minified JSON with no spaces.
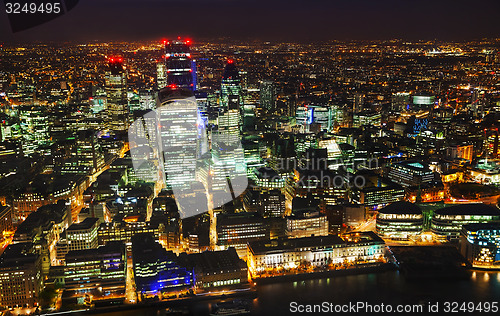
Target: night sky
{"x":274,"y":20}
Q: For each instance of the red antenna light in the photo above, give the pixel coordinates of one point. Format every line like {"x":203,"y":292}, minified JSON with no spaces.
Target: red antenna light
{"x":230,"y":61}
{"x":188,"y":41}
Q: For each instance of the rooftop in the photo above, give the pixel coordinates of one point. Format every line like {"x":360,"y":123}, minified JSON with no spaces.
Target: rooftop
{"x":86,"y":224}
{"x":401,"y":207}
{"x":414,"y":165}
{"x":481,"y":226}
{"x":469,"y":209}
{"x":263,"y":246}
{"x":215,"y":261}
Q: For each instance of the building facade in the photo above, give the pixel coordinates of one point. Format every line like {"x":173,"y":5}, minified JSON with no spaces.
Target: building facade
{"x":99,"y":272}
{"x":400,"y":220}
{"x":410,"y":173}
{"x":20,"y":276}
{"x":116,"y":93}
{"x":316,"y":251}
{"x":447,"y":222}
{"x":479,"y":244}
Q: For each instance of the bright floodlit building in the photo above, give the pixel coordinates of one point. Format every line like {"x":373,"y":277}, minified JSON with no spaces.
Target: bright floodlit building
{"x":306,"y":224}
{"x":400,"y":220}
{"x":318,"y":251}
{"x":178,"y":116}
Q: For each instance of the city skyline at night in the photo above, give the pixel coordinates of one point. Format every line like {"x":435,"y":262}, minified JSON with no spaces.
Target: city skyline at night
{"x":250,"y":158}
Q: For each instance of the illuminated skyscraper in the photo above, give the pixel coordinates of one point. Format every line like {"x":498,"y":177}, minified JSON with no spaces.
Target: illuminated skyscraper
{"x":161,"y":74}
{"x":88,"y":150}
{"x":267,"y":95}
{"x":227,"y":152}
{"x":229,"y":120}
{"x":359,"y":100}
{"x":231,"y":87}
{"x":178,"y":116}
{"x":116,"y":92}
{"x":179,"y":64}
{"x":34,"y":123}
{"x":175,"y":150}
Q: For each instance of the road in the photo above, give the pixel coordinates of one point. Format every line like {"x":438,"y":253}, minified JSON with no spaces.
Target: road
{"x":369,"y":225}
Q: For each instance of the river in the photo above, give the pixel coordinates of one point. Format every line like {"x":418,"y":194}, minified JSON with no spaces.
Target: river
{"x":375,"y":288}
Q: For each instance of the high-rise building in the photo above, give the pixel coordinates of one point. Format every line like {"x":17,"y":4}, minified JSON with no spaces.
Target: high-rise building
{"x":229,"y":121}
{"x":228,"y":159}
{"x":231,"y":87}
{"x":116,"y":93}
{"x":321,"y":116}
{"x":267,"y":95}
{"x":177,"y":114}
{"x":359,"y":100}
{"x":34,"y":123}
{"x":422,"y":102}
{"x":268,"y":203}
{"x":366,"y":118}
{"x":88,"y":150}
{"x":161,"y":74}
{"x":147,"y":99}
{"x":180,"y":72}
{"x":400,"y":101}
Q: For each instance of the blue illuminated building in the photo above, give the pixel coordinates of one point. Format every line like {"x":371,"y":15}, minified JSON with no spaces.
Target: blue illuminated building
{"x":156,"y":269}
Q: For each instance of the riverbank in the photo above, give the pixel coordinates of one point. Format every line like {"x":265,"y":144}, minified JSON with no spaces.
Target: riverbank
{"x":431,"y":262}
{"x":249,"y":293}
{"x":372,"y":268}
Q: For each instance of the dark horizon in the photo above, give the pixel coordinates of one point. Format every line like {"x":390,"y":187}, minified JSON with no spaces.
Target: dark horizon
{"x":278,"y":20}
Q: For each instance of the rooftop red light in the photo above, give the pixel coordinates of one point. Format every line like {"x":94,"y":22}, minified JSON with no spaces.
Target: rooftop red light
{"x":115,"y":59}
